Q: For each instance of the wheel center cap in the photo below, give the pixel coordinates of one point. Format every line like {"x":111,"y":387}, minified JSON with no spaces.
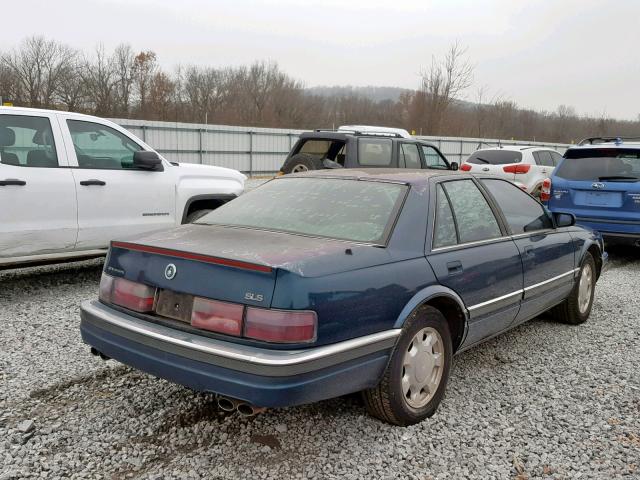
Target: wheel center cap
{"x":424,"y":366}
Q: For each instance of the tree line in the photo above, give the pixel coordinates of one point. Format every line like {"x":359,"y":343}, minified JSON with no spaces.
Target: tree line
{"x":123,"y":83}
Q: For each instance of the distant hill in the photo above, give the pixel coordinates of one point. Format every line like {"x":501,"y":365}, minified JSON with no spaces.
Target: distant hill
{"x":376,"y":94}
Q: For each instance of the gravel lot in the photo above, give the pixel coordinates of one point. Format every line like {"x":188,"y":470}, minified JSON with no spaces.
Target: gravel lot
{"x":542,"y":401}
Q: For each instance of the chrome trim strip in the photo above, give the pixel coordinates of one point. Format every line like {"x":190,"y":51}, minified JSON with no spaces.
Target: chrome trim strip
{"x":544,"y":231}
{"x":243,"y":353}
{"x":557,"y":277}
{"x":494,"y":300}
{"x":468,"y":244}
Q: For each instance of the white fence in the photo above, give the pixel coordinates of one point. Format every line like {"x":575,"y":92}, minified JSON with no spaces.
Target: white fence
{"x":259,"y":151}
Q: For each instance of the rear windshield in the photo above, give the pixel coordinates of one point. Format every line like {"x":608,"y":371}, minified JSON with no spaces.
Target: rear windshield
{"x":495,"y":157}
{"x":601,"y":164}
{"x":360,"y":211}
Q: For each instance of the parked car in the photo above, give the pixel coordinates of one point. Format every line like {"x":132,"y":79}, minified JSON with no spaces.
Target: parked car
{"x":361,"y":146}
{"x":69,"y":183}
{"x":320,"y":284}
{"x":598,"y":181}
{"x":526,"y":166}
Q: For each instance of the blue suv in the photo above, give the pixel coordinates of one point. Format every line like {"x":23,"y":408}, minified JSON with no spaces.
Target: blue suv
{"x":598,"y":181}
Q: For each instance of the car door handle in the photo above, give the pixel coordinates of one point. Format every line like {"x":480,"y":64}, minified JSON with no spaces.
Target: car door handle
{"x":454,"y":267}
{"x":93,"y":181}
{"x":528,"y":250}
{"x":12,"y":181}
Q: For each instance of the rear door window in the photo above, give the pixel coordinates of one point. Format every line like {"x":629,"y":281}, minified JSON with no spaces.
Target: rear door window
{"x":601,"y":164}
{"x":495,"y":157}
{"x":445,"y":228}
{"x":523,"y":213}
{"x":556,"y":158}
{"x":474,"y":218}
{"x":27,"y":141}
{"x":409,"y":152}
{"x":375,"y":152}
{"x":545,"y":159}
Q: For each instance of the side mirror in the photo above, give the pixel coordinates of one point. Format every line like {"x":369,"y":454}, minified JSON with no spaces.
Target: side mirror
{"x":146,"y":160}
{"x":326,"y":163}
{"x":454,"y":166}
{"x":564,"y":219}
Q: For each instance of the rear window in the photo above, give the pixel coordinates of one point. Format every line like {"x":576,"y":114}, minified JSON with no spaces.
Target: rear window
{"x":495,"y":157}
{"x":316,"y":147}
{"x":360,"y":211}
{"x":601,"y":164}
{"x":375,"y":152}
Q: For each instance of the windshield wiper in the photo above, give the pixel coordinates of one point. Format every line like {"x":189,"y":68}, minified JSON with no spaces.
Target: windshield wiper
{"x":482,"y":159}
{"x":618,"y":177}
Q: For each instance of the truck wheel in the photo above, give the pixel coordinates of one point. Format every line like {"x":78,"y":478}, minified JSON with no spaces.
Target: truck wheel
{"x":302,"y":162}
{"x":577,"y":307}
{"x":196,"y":215}
{"x":414,"y":382}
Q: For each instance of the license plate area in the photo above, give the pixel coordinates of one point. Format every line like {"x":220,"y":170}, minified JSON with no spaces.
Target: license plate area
{"x":174,"y":305}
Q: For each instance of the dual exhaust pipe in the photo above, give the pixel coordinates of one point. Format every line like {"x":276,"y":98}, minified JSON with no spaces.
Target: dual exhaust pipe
{"x":245,"y":409}
{"x":226,"y":404}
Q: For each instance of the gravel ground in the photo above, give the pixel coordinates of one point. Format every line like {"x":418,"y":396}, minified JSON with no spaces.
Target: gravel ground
{"x":542,"y":401}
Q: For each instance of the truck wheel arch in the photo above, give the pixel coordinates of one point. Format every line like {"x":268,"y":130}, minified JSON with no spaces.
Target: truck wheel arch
{"x":204,"y":202}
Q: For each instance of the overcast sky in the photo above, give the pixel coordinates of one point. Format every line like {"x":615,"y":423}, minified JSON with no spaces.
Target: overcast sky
{"x":540,"y":54}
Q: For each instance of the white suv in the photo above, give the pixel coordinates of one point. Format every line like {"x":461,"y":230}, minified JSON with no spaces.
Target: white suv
{"x":69,"y":183}
{"x":525,"y":166}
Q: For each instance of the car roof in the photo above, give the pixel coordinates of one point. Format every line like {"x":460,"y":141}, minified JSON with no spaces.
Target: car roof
{"x":606,"y":146}
{"x":397,"y":175}
{"x":517,"y":148}
{"x":42,"y":111}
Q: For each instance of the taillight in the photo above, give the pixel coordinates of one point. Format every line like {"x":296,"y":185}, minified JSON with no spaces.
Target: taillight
{"x":517,"y":168}
{"x":465,"y":167}
{"x":132,"y":295}
{"x":217,"y":316}
{"x":106,"y":288}
{"x":280,"y":325}
{"x":545,"y":192}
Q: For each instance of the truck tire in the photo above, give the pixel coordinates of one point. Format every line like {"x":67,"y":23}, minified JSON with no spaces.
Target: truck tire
{"x":415,"y":379}
{"x":302,"y":162}
{"x":196,"y":215}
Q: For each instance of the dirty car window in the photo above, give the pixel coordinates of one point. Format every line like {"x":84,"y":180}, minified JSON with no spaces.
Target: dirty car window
{"x":344,"y":209}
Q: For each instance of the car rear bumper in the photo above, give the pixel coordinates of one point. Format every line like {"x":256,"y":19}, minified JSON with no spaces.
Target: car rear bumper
{"x":263,"y":377}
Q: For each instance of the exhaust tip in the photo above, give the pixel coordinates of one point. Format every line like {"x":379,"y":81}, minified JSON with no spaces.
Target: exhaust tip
{"x":245,"y":410}
{"x":226,"y":404}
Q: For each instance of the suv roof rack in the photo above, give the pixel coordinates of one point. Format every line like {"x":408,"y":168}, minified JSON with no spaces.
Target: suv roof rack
{"x":598,"y":140}
{"x":359,"y":132}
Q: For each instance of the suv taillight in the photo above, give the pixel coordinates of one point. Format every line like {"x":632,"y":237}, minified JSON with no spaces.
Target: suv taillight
{"x":465,"y":167}
{"x":517,"y":168}
{"x":545,"y":192}
{"x":125,"y":293}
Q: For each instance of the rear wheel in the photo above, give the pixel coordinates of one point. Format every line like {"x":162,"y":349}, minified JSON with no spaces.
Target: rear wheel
{"x":577,"y":307}
{"x":414,"y":382}
{"x":302,"y":162}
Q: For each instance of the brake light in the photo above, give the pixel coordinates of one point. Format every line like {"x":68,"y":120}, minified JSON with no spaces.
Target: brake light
{"x":280,"y":325}
{"x":545,"y":192}
{"x":465,"y":167}
{"x":132,"y":295}
{"x":217,"y":316}
{"x":517,"y":168}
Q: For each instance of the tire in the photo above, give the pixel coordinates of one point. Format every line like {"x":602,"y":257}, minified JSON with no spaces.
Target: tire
{"x":577,"y":308}
{"x":388,"y":400}
{"x":302,"y":162}
{"x":196,"y":215}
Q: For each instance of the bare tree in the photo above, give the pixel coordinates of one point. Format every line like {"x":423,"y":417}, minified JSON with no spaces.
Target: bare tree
{"x":443,"y":82}
{"x":144,"y":68}
{"x":39,"y":65}
{"x":124,"y":65}
{"x":99,"y":80}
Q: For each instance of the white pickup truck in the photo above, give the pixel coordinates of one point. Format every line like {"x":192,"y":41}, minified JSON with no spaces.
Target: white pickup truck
{"x":69,"y":183}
